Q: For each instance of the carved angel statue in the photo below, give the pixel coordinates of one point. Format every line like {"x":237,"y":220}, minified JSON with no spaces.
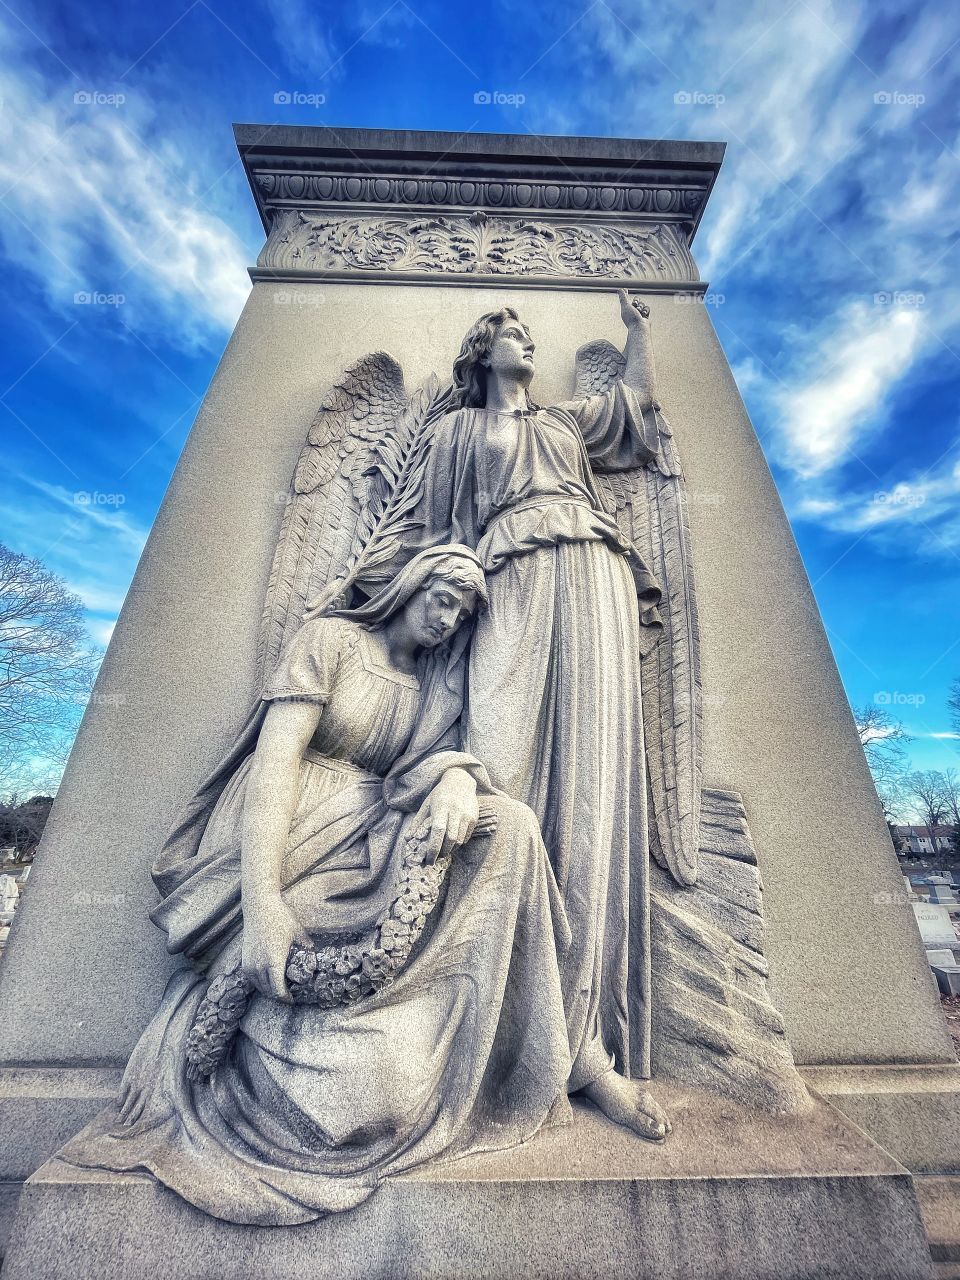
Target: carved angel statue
{"x":583,"y":679}
{"x":414,"y":896}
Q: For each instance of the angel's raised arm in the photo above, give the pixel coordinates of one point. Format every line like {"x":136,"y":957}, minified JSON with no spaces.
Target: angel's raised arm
{"x":639,"y":370}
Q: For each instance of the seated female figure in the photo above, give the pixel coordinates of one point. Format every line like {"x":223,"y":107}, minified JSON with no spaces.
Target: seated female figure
{"x":368,"y":1033}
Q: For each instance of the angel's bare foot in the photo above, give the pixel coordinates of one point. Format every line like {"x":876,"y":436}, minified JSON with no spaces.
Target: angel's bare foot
{"x":626,"y":1102}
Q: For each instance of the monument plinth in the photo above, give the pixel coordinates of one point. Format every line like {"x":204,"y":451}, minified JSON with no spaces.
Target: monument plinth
{"x":645,"y":708}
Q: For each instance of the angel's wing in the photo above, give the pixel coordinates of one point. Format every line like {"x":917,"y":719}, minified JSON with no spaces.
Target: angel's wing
{"x":358,"y":478}
{"x":328,"y":493}
{"x":651,"y":510}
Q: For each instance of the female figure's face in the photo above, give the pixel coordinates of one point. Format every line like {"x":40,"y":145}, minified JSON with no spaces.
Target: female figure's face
{"x":433,"y":613}
{"x":511,"y":355}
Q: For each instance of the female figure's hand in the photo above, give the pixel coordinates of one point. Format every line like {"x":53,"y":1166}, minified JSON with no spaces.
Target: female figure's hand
{"x":269,"y":930}
{"x":449,"y":815}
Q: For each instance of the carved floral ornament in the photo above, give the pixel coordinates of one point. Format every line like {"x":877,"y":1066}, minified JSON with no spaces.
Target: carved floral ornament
{"x":475,"y":244}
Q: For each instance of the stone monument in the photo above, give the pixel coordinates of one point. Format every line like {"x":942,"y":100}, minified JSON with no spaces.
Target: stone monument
{"x":453,"y":735}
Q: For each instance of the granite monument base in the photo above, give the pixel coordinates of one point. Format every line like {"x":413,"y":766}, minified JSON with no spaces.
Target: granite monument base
{"x":913,"y":1112}
{"x":735,"y":1194}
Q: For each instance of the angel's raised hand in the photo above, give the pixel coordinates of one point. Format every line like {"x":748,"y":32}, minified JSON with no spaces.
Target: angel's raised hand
{"x":632,"y":310}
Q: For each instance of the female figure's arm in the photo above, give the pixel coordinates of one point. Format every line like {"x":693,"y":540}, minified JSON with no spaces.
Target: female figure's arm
{"x":269,"y":927}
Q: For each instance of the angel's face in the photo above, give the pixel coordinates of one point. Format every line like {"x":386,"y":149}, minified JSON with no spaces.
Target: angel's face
{"x":511,"y":355}
{"x":433,"y":613}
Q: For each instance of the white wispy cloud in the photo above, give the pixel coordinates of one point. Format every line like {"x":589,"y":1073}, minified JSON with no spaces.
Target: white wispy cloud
{"x":824,"y":411}
{"x":96,"y":202}
{"x":93,"y":548}
{"x":317,"y":44}
{"x":104,"y":510}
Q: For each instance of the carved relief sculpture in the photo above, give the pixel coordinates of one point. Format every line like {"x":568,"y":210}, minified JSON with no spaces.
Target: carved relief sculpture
{"x":475,"y":244}
{"x":416,"y":898}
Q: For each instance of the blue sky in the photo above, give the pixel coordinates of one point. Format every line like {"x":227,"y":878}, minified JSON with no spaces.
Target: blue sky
{"x":829,"y":241}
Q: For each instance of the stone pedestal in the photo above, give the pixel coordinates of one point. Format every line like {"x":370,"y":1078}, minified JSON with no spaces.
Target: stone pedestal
{"x":735,"y":1195}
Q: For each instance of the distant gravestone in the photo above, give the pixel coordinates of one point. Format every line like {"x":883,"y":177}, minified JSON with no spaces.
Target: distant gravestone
{"x":9,"y":895}
{"x":934,"y":923}
{"x":948,"y":978}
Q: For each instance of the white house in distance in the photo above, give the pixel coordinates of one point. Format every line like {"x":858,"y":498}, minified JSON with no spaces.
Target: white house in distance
{"x":921,"y":840}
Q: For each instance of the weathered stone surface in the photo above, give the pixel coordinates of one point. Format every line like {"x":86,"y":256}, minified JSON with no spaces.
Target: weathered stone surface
{"x":913,"y":1112}
{"x":714,"y":1023}
{"x":735,"y":1196}
{"x":40,"y":1109}
{"x":939,"y":1201}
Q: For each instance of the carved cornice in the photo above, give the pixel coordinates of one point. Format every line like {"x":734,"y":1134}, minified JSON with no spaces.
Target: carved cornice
{"x":478,"y":245}
{"x":278,"y":189}
{"x":481,"y":206}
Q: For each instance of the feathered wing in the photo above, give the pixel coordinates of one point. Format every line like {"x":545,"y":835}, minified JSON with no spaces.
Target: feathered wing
{"x":651,"y":510}
{"x":354,"y":485}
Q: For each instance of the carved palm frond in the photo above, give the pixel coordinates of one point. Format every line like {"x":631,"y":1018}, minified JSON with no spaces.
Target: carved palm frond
{"x":398,"y":466}
{"x":650,"y":508}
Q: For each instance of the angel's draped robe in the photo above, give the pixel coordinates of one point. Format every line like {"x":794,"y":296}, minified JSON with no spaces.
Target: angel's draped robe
{"x":554,"y":706}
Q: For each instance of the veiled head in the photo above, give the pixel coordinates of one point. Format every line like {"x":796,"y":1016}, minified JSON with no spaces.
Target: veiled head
{"x":498,"y":342}
{"x":438,"y":589}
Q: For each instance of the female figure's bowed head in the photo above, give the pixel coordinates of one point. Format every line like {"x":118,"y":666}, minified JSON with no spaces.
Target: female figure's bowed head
{"x":369,"y":1026}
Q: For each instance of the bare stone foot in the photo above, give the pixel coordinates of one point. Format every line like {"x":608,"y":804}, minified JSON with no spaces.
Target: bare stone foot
{"x":626,"y":1102}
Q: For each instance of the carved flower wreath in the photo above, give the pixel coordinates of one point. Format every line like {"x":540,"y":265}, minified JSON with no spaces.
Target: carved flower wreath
{"x":327,"y":976}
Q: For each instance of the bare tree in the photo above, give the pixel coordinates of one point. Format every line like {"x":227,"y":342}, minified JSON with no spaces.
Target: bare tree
{"x":951,"y":796}
{"x":46,"y":673}
{"x":22,"y":823}
{"x":884,"y":744}
{"x":926,"y":793}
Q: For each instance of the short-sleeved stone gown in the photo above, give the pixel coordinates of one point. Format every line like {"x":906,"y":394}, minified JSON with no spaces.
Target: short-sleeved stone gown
{"x":554,"y":708}
{"x":466,"y":1051}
